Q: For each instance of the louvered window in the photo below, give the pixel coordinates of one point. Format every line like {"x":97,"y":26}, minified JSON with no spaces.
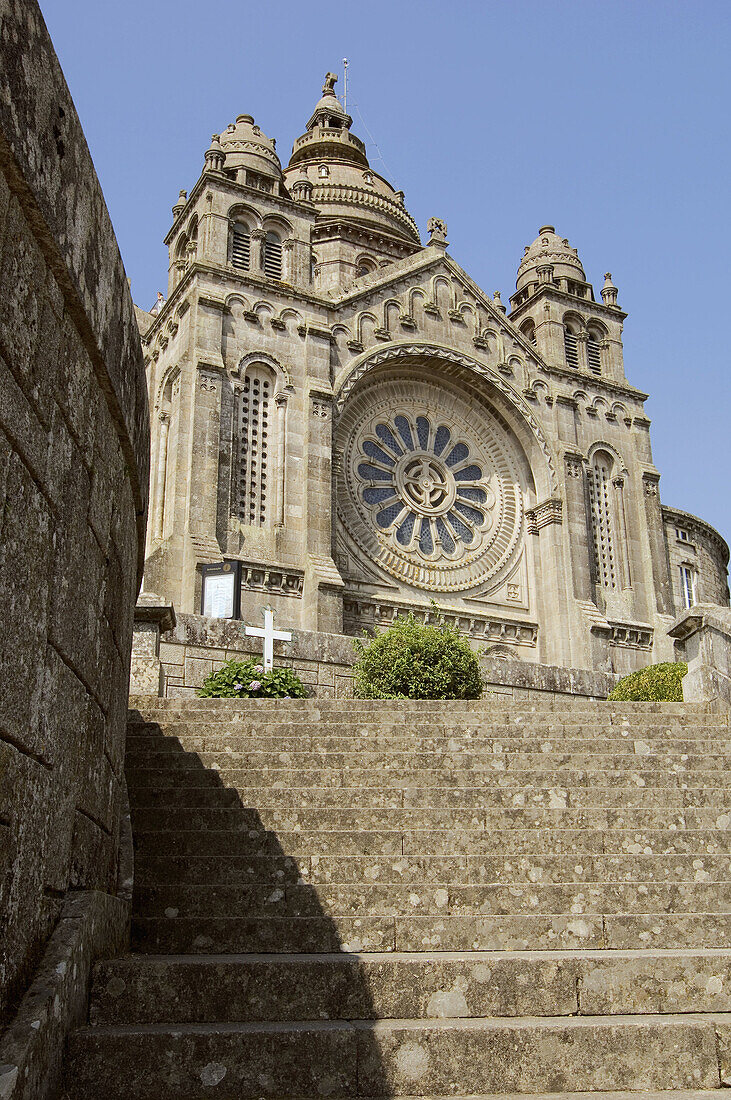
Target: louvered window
{"x":600,"y":492}
{"x":571,"y":348}
{"x":273,"y":256}
{"x":241,"y":248}
{"x":250,"y":489}
{"x":593,"y":356}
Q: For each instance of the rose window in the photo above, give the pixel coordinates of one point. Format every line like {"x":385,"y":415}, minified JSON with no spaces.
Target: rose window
{"x":423,"y":487}
{"x":429,"y":485}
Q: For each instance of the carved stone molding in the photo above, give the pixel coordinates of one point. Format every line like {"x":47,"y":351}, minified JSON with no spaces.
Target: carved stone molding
{"x":361,"y":611}
{"x":625,"y":635}
{"x":574,"y":466}
{"x":281,"y":582}
{"x":448,"y":355}
{"x":544,"y":514}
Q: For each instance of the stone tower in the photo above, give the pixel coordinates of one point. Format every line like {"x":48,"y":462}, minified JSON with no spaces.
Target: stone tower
{"x":347,"y":421}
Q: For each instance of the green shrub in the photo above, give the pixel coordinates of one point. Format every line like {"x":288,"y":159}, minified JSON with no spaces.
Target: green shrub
{"x":413,"y":661}
{"x":248,"y":680}
{"x":656,"y":683}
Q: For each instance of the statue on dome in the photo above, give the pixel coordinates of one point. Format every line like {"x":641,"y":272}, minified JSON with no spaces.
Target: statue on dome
{"x":328,"y":87}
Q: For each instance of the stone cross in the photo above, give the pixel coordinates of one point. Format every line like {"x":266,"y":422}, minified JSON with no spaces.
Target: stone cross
{"x":270,"y":636}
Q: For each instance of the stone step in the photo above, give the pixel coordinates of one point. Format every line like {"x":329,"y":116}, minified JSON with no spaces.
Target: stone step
{"x":412,"y":818}
{"x":392,"y":1057}
{"x":349,"y":736}
{"x":515,"y":932}
{"x":162,"y":776}
{"x":418,"y":756}
{"x":160,"y":869}
{"x":547,"y":762}
{"x":418,"y":842}
{"x":399,"y":899}
{"x":144,"y":703}
{"x":395,"y":797}
{"x":396,"y":985}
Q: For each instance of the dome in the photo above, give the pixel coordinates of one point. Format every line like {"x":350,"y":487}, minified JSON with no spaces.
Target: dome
{"x":343,"y":183}
{"x":245,"y":146}
{"x":548,"y":249}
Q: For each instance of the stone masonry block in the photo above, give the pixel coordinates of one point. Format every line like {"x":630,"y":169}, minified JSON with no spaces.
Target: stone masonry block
{"x":21,"y":425}
{"x":26,"y":560}
{"x":196,"y":671}
{"x":22,"y":272}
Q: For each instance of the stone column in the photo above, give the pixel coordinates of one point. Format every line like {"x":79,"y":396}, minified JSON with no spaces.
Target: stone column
{"x":623,"y":548}
{"x":280,"y":402}
{"x":152,"y":618}
{"x":703,"y":638}
{"x":161,"y":479}
{"x":322,"y":598}
{"x":203,"y":489}
{"x":256,"y":260}
{"x":658,"y":548}
{"x":577,"y":520}
{"x":582,"y":339}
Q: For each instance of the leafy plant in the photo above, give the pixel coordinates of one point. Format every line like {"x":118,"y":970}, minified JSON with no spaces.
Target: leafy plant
{"x":656,"y":683}
{"x":248,"y":680}
{"x":411,"y":660}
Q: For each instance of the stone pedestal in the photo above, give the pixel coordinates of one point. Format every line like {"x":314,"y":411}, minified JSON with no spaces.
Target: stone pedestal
{"x":703,"y":638}
{"x":152,"y":618}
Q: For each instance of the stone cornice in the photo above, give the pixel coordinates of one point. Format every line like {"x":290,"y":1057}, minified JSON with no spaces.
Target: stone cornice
{"x":550,"y":291}
{"x":217,"y":179}
{"x":673,"y":515}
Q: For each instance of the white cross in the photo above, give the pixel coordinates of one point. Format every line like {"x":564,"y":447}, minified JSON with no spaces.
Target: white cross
{"x":270,"y":635}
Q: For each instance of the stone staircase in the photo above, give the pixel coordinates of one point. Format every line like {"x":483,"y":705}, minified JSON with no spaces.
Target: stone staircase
{"x":397,"y":899}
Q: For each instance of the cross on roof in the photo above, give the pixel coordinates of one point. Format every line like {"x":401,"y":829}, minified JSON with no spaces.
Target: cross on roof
{"x":270,"y":636}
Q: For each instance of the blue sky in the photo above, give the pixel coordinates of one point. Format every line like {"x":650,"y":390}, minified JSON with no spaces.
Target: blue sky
{"x":608,"y":120}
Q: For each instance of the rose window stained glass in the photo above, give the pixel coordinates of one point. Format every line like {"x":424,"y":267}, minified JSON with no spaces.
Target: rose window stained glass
{"x":423,"y":487}
{"x":428,"y":484}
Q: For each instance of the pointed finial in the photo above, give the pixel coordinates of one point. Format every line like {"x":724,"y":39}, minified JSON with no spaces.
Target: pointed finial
{"x":609,"y":291}
{"x":181,"y":203}
{"x":498,"y":302}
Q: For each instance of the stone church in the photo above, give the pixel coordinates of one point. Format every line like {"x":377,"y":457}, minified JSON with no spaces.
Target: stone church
{"x":347,"y":423}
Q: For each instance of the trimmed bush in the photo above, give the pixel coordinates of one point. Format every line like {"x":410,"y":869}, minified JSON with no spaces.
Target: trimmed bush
{"x":654,"y":684}
{"x":413,"y":661}
{"x":248,"y":680}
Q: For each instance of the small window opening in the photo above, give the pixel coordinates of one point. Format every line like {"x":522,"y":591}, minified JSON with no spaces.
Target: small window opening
{"x":272,"y":256}
{"x":240,"y":248}
{"x":571,"y":349}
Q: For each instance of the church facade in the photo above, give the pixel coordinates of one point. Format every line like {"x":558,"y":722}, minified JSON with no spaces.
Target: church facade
{"x":344,"y":421}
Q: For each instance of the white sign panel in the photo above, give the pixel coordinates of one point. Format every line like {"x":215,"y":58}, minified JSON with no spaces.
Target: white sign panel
{"x":218,"y":595}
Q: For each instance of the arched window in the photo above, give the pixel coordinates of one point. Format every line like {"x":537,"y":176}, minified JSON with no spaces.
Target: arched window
{"x":593,"y":351}
{"x":251,"y":472}
{"x":602,"y":520}
{"x":272,"y":256}
{"x":529,"y":331}
{"x":240,"y":246}
{"x":323,"y":171}
{"x":365,"y":266}
{"x":570,"y":344}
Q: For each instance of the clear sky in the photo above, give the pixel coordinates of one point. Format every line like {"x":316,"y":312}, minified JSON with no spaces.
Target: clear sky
{"x":608,"y":120}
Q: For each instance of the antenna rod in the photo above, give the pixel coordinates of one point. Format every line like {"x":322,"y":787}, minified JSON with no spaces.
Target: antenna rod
{"x":345,"y":84}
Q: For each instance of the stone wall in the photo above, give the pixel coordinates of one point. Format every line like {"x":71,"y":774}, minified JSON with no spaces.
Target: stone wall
{"x":197,"y":646}
{"x":693,"y":543}
{"x":73,"y":481}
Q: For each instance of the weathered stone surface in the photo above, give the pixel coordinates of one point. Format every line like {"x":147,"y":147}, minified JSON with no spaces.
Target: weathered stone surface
{"x":73,"y":486}
{"x":492,"y":900}
{"x":31,"y":1049}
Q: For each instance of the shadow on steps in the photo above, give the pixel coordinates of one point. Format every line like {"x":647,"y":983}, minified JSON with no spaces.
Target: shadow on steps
{"x":212,"y":883}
